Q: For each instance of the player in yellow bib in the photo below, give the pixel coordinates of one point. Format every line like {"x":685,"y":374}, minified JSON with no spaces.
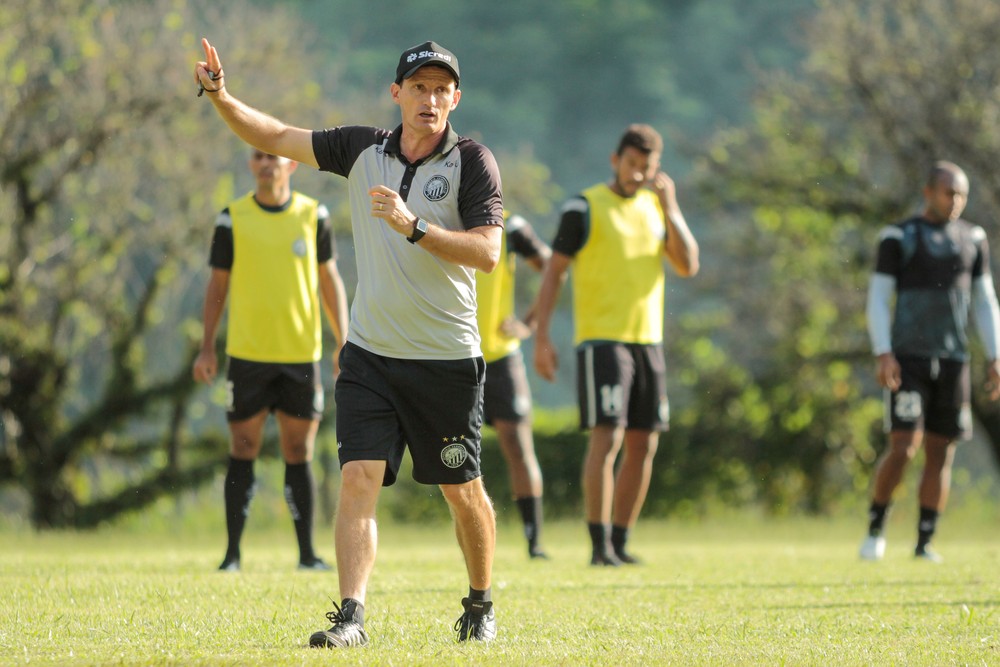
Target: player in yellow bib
{"x":274,"y":258}
{"x":506,"y":394}
{"x":616,"y":236}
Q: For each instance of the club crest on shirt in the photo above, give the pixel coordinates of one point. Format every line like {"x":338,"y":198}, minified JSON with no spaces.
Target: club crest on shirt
{"x":299,"y":248}
{"x":437,"y":188}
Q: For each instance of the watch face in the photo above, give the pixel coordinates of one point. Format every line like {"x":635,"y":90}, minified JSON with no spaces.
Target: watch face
{"x":419,"y":229}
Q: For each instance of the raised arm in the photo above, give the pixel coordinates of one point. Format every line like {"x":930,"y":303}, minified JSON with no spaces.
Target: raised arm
{"x":251,"y":125}
{"x":680,"y":246}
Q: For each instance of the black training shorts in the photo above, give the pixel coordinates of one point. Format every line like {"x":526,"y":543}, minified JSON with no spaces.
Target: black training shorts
{"x":933,"y":396}
{"x":507,"y":395}
{"x":435,"y":408}
{"x":622,"y":384}
{"x":252,"y":386}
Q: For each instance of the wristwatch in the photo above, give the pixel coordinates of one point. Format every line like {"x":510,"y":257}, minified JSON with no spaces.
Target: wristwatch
{"x":419,"y":229}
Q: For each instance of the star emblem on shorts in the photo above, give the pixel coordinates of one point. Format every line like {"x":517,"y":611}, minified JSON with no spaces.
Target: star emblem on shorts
{"x":454,"y":438}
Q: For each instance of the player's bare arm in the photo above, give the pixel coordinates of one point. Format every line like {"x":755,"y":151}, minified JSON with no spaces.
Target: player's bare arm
{"x":255,"y":127}
{"x":993,"y":379}
{"x":206,"y":364}
{"x":334,"y":299}
{"x":546,"y":356}
{"x":477,"y":248}
{"x":680,"y":246}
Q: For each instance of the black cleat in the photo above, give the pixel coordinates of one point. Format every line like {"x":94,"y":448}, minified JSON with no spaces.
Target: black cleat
{"x":316,"y":563}
{"x":537,"y":553}
{"x":478,"y":623}
{"x":344,"y":632}
{"x":627,"y":558}
{"x":599,"y":558}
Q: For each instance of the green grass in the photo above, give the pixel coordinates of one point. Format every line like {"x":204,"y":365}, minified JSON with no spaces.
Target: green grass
{"x":737,"y":590}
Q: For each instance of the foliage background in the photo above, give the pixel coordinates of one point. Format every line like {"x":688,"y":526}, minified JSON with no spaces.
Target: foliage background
{"x":795,"y":130}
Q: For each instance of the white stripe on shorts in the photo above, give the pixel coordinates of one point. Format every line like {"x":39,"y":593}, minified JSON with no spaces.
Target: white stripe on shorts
{"x":589,"y":385}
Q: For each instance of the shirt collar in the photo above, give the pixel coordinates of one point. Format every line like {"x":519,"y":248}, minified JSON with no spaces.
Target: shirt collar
{"x":448,"y":141}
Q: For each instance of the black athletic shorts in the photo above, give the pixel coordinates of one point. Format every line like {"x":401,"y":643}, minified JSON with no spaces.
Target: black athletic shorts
{"x":933,"y":395}
{"x":622,"y":384}
{"x":252,"y":386}
{"x":507,"y":396}
{"x":435,"y":408}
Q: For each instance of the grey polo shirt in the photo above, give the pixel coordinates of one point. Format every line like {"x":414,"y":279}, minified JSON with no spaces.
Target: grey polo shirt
{"x":410,"y":304}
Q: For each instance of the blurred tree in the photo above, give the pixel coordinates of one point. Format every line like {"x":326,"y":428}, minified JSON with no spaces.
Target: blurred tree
{"x":834,"y":152}
{"x":109,"y":181}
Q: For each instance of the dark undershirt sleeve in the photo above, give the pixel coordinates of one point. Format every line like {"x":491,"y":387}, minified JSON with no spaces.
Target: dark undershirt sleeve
{"x":574,"y":227}
{"x":221,"y":253}
{"x":326,"y":244}
{"x":523,"y":240}
{"x":889,"y":257}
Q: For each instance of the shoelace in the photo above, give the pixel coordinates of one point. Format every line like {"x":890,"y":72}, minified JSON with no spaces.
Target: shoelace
{"x":336,"y":617}
{"x":468,"y":624}
{"x":464,"y":624}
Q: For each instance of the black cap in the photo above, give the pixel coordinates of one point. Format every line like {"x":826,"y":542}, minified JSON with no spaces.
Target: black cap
{"x":428,"y":53}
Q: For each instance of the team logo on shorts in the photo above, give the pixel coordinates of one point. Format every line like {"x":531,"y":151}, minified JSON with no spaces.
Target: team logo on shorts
{"x":454,"y":455}
{"x":299,"y":247}
{"x":437,"y":188}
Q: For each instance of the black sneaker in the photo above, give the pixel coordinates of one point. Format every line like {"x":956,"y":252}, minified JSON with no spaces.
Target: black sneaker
{"x":315,"y":564}
{"x":230,"y":565}
{"x":478,"y":623}
{"x":344,"y":632}
{"x":604,"y":558}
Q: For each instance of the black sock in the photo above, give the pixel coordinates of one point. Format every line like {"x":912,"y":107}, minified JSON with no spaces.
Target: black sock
{"x":480,"y":596}
{"x":299,"y":496}
{"x":619,"y":536}
{"x":531,"y":515}
{"x":876,"y":518}
{"x":238,"y":492}
{"x":353,"y":610}
{"x":598,"y":537}
{"x":926,"y":527}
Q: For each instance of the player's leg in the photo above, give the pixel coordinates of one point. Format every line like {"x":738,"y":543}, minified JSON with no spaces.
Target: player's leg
{"x":370,"y":447}
{"x":356,"y":540}
{"x":298,"y":438}
{"x":648,"y":415}
{"x":475,"y":529}
{"x":246,"y":436}
{"x":949,"y":419}
{"x":518,"y":449}
{"x":598,"y":489}
{"x":298,"y":410}
{"x":356,"y":532}
{"x":903,"y":447}
{"x":904,"y":420}
{"x":631,"y":485}
{"x":604,"y":372}
{"x":507,"y":406}
{"x":935,"y":484}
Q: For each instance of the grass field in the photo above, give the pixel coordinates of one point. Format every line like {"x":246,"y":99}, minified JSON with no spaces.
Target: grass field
{"x":735,"y":591}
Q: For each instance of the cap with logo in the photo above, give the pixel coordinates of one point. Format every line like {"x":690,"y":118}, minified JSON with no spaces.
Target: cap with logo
{"x":428,"y":53}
